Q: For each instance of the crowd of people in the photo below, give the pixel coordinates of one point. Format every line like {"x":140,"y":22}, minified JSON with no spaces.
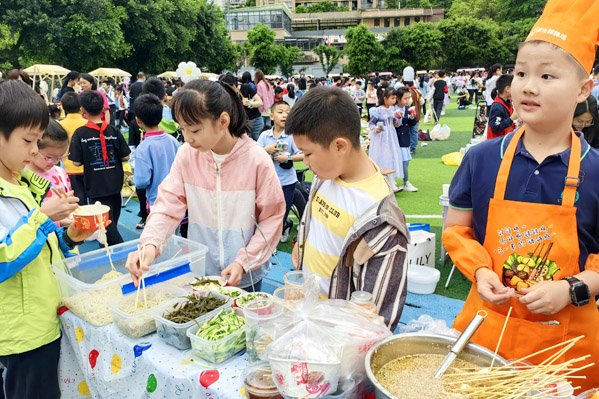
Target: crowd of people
{"x":215,"y":159}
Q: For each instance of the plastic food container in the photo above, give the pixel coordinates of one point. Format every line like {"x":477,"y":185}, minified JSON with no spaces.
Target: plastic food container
{"x":301,"y":379}
{"x":232,"y":292}
{"x":288,"y":293}
{"x":216,"y":351}
{"x":142,"y":323}
{"x":422,"y":279}
{"x":590,"y":394}
{"x":258,"y":382}
{"x":88,"y":217}
{"x":175,"y":334}
{"x":259,"y":322}
{"x":294,"y":278}
{"x":77,"y":276}
{"x":250,"y":296}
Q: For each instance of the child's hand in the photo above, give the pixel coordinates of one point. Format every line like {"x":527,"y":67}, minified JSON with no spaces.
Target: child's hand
{"x":271,"y":149}
{"x":133,"y":263}
{"x":235,"y":272}
{"x":547,"y":297}
{"x":282,"y":158}
{"x":79,"y":235}
{"x":378,"y":130}
{"x":490,"y":288}
{"x":57,"y":208}
{"x":396,"y":123}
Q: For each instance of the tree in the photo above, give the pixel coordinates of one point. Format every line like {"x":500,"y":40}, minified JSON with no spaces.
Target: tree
{"x":422,"y":45}
{"x":328,"y":56}
{"x":469,"y":41}
{"x":514,"y":33}
{"x":415,"y":3}
{"x":512,"y":10}
{"x":89,"y":40}
{"x":301,"y":10}
{"x":474,"y":8}
{"x":392,"y":4}
{"x":261,"y":45}
{"x":361,"y":49}
{"x":322,"y":6}
{"x":287,"y":56}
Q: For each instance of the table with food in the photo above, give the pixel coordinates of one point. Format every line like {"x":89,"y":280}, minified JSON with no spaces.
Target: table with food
{"x":184,"y":334}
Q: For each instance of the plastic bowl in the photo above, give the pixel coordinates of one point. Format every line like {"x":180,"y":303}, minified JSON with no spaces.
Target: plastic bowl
{"x":294,"y":278}
{"x":301,"y":379}
{"x":422,"y":279}
{"x":288,"y":293}
{"x":258,"y":382}
{"x":247,"y":297}
{"x":88,"y":217}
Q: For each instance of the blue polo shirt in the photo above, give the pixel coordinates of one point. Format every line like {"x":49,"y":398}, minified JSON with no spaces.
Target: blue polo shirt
{"x":286,"y":176}
{"x":474,"y":184}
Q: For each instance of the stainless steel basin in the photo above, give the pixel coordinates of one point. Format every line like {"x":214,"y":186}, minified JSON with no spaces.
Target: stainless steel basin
{"x":415,"y":343}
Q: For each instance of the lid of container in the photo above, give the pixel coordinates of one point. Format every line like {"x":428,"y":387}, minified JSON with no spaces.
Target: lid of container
{"x":361,"y":297}
{"x":258,"y":377}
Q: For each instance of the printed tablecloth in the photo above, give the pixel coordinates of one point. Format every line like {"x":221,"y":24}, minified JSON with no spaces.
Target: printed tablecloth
{"x":102,"y":362}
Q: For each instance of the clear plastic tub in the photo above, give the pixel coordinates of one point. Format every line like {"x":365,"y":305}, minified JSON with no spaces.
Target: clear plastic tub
{"x":295,"y":278}
{"x":258,"y":382}
{"x":77,"y":276}
{"x":217,"y":351}
{"x":140,"y":323}
{"x":260,"y":325}
{"x":175,"y":334}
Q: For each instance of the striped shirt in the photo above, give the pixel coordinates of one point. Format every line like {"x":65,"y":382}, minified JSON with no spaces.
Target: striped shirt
{"x":334,"y":209}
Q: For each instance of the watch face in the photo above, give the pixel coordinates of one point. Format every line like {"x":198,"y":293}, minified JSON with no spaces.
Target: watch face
{"x":581,"y":292}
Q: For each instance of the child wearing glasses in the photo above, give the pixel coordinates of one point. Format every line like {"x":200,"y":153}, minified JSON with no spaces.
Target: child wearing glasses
{"x":51,"y":149}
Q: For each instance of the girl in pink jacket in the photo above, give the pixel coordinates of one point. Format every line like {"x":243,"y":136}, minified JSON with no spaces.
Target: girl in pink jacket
{"x":223,"y":178}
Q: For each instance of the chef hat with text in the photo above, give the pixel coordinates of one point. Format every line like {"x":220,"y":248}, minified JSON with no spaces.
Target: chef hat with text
{"x":572,"y":25}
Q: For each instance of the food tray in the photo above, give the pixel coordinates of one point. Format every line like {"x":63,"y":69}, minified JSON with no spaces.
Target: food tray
{"x":141,"y":323}
{"x":76,"y":276}
{"x":217,"y":351}
{"x":175,"y":334}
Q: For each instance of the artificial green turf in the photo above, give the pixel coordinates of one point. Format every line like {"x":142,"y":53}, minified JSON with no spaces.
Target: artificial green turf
{"x":428,"y":173}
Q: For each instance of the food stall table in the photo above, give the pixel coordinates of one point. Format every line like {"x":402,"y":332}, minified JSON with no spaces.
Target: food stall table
{"x":102,"y":362}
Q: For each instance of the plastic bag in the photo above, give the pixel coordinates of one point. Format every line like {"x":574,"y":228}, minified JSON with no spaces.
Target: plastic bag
{"x":440,"y":132}
{"x":426,"y":324}
{"x":320,"y":345}
{"x":453,"y":158}
{"x":428,"y":117}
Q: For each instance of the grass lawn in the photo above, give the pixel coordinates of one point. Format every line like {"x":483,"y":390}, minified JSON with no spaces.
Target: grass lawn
{"x":428,"y":173}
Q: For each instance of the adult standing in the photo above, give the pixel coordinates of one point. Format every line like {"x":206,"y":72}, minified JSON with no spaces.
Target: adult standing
{"x":266,"y":93}
{"x":251,"y":101}
{"x":68,"y":84}
{"x":440,"y":89}
{"x":87,"y":83}
{"x":496,"y":70}
{"x":302,"y":83}
{"x":134,"y":131}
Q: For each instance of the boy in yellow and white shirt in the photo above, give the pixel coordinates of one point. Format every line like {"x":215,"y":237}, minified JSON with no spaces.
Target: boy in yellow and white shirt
{"x":353,"y":235}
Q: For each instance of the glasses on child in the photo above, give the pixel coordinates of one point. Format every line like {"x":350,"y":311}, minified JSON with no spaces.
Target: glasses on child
{"x":582,"y":124}
{"x":52,"y":159}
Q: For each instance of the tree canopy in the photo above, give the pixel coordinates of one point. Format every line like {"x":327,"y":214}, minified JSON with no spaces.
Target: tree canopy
{"x":131,"y":34}
{"x":362,"y":48}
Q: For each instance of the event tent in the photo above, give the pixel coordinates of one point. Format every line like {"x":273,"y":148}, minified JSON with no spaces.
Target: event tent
{"x":39,"y":72}
{"x":168,"y":74}
{"x":116,"y":74}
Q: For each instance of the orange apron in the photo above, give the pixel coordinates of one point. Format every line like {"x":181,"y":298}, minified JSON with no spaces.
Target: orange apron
{"x":529,"y":243}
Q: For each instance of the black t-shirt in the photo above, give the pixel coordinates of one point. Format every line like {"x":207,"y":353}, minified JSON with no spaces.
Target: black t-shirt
{"x":248,"y":92}
{"x":65,"y":89}
{"x":134,"y":92}
{"x":100,"y":180}
{"x":439,"y":86}
{"x":302,"y":84}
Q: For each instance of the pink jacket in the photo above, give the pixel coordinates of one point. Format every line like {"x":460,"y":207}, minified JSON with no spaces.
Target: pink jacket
{"x":267,"y":95}
{"x":221,"y":201}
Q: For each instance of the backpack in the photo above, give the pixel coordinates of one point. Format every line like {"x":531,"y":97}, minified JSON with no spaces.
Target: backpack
{"x":416,"y":96}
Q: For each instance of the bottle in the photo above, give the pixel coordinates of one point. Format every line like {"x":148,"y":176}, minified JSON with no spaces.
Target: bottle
{"x":364,"y":299}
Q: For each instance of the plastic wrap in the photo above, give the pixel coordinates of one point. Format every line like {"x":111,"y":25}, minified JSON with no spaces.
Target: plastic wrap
{"x":426,"y":324}
{"x":319,"y":346}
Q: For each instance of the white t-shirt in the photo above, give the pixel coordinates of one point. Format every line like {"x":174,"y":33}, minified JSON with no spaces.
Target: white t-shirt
{"x":219,"y":159}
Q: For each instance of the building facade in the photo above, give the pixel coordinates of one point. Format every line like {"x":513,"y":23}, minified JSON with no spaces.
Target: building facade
{"x":308,"y":30}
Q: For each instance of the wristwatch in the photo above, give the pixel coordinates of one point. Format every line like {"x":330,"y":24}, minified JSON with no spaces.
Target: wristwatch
{"x":579,"y":291}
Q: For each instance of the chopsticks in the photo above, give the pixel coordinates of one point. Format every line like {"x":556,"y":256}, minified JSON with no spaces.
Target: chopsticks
{"x":143,"y":283}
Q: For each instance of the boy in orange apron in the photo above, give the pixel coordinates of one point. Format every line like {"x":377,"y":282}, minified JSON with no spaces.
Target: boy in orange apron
{"x":529,"y":238}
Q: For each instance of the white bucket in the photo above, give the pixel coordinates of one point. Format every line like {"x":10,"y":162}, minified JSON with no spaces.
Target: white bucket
{"x":422,"y":279}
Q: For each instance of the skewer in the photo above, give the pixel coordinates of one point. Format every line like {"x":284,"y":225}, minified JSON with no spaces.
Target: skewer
{"x":178,"y":252}
{"x":143,"y":282}
{"x":269,"y":246}
{"x":141,"y":262}
{"x":501,"y":337}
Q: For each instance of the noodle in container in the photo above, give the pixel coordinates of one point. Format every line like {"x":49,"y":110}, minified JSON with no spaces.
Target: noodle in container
{"x":88,"y":217}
